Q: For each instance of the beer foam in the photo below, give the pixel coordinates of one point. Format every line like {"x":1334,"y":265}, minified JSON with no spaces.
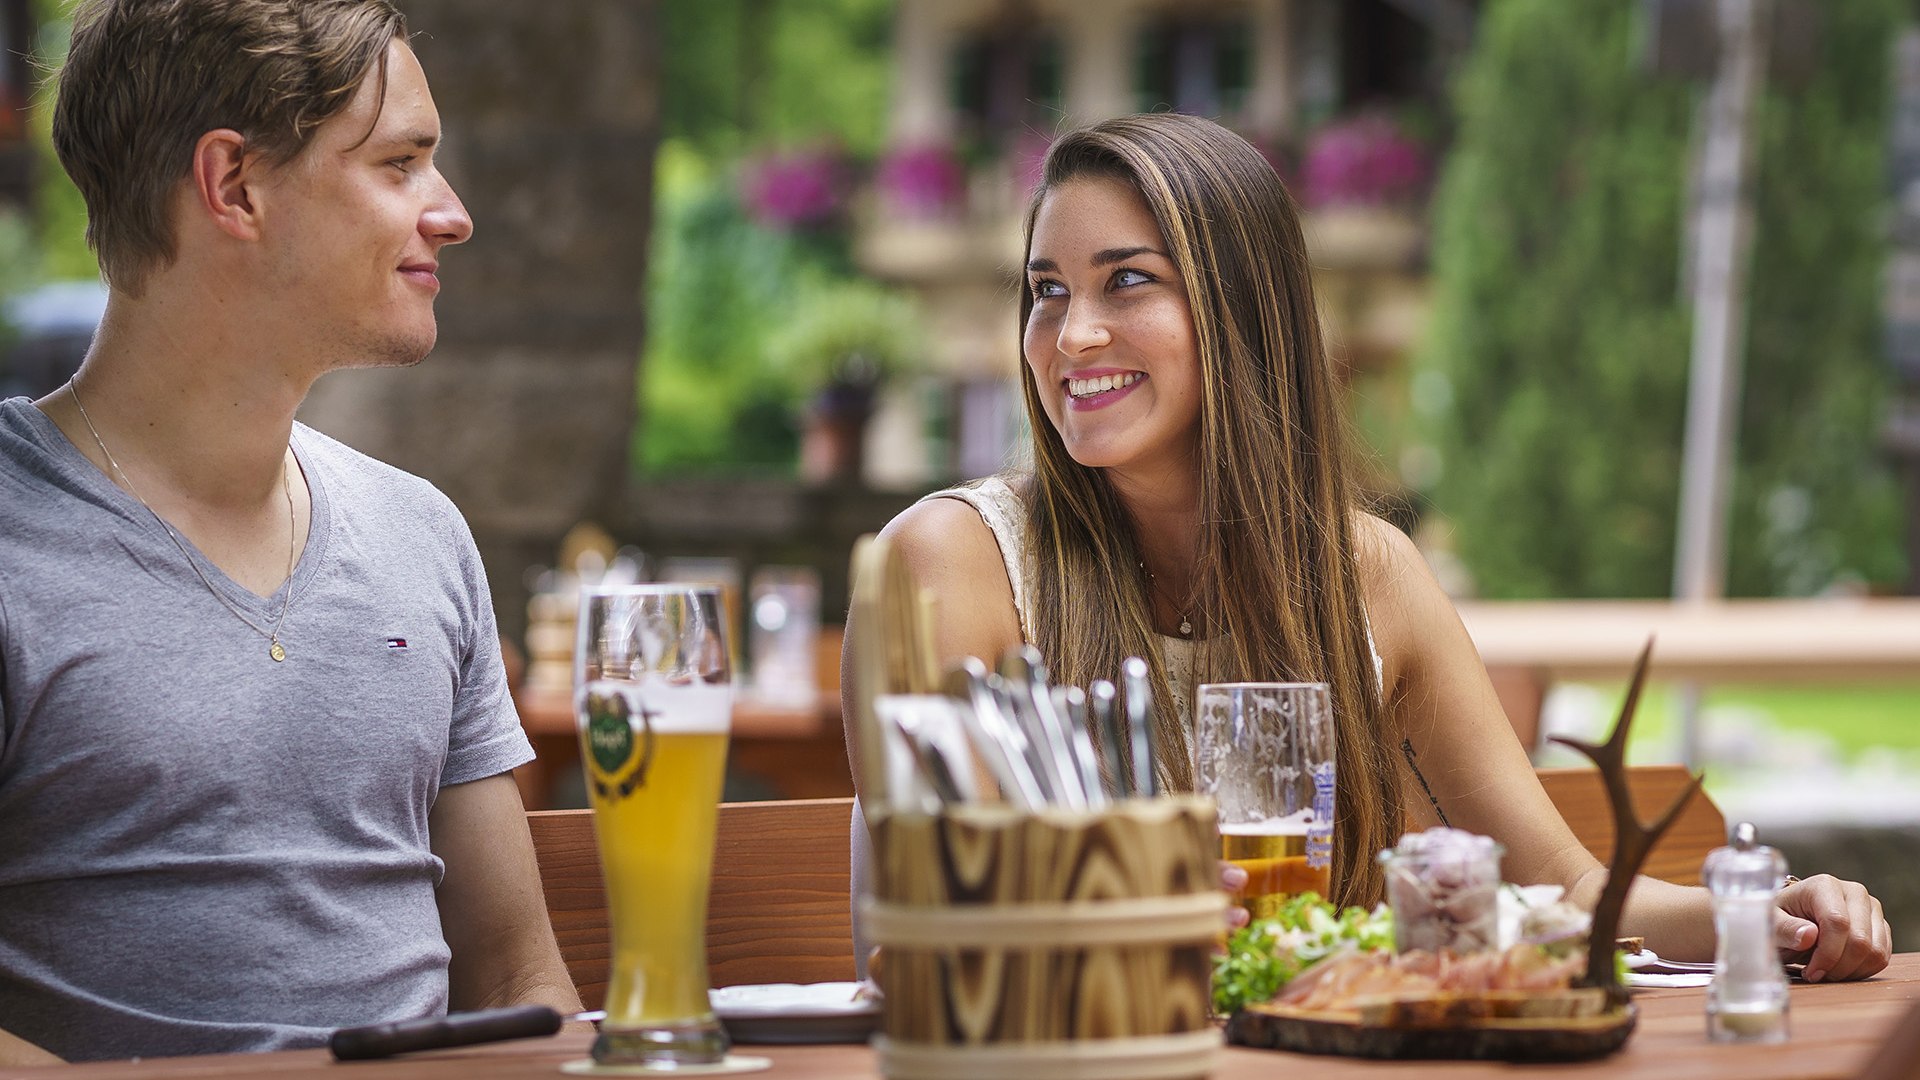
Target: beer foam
{"x":690,"y":709}
{"x":1291,"y":825}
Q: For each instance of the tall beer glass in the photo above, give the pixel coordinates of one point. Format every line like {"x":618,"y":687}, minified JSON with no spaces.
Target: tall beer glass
{"x":1264,"y":751}
{"x":653,"y":698}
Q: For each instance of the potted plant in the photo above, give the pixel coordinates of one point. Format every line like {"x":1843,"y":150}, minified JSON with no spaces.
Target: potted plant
{"x":847,"y":338}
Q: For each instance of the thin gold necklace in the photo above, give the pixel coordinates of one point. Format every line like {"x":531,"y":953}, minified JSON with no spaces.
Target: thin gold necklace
{"x":1153,"y":589}
{"x":274,"y":648}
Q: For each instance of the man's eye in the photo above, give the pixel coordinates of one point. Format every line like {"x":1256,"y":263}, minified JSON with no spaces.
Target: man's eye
{"x":1044,"y":288}
{"x":401,"y":163}
{"x":1124,"y":278}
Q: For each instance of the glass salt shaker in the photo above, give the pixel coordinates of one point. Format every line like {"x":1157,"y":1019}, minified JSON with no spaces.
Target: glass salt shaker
{"x":1747,"y":1001}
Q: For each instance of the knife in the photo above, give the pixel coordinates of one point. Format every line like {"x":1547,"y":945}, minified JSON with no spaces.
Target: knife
{"x":998,"y":745}
{"x":453,"y":1029}
{"x":1146,"y":779}
{"x":1016,"y":708}
{"x":1070,"y":702}
{"x":1112,"y":734}
{"x":1036,"y":696}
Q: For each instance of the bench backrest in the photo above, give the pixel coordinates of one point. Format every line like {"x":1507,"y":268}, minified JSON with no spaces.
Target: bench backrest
{"x":777,"y":913}
{"x":778,"y":910}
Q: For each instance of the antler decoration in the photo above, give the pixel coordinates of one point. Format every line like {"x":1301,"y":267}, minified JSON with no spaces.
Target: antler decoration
{"x":1631,"y":840}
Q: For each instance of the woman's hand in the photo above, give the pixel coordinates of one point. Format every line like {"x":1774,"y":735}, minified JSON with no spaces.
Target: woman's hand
{"x":1233,"y":879}
{"x":1835,"y":927}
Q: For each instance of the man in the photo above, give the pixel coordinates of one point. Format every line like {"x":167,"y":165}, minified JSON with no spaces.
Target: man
{"x":255,"y":732}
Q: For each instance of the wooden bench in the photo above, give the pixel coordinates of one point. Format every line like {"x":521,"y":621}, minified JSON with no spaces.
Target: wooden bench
{"x":778,"y":911}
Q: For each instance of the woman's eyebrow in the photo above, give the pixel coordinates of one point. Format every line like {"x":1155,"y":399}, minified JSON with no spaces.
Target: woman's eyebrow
{"x":1100,"y":258}
{"x":1115,"y":255}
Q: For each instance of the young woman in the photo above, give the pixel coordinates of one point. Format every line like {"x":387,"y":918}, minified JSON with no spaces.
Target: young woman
{"x":1188,"y":503}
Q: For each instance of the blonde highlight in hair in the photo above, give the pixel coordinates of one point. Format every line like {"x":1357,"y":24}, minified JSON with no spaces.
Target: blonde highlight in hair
{"x":145,"y":79}
{"x":1276,"y":574}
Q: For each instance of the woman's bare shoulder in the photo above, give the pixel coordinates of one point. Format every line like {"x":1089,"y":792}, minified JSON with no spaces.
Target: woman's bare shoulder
{"x":1405,"y":603}
{"x":1387,"y":559}
{"x":940,"y":535}
{"x":949,"y":549}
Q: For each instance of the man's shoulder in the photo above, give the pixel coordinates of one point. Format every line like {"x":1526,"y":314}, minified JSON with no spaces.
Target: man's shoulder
{"x":358,"y":477}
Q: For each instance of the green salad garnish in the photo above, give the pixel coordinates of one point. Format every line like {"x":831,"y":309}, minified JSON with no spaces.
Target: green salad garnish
{"x":1268,"y":953}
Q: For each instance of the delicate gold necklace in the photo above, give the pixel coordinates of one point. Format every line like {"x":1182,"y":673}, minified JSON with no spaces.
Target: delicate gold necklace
{"x":274,"y":648}
{"x":1153,"y":589}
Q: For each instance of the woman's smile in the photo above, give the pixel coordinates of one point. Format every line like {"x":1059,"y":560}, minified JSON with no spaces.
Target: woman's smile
{"x":1098,"y":389}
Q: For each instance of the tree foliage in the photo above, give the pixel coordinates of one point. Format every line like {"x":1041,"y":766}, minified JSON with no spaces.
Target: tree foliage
{"x":1555,"y":373}
{"x":743,"y":73}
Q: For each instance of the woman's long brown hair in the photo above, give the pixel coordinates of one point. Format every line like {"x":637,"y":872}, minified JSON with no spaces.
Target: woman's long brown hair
{"x":1276,"y":583}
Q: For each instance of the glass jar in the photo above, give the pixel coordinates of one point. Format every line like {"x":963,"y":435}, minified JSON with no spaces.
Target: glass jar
{"x":1444,"y":888}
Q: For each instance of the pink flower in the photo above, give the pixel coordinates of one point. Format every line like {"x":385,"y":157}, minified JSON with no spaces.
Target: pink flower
{"x":925,"y":180}
{"x":796,"y":189}
{"x":1364,"y":161}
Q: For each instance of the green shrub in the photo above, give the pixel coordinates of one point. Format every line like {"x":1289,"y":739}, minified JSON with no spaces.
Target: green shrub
{"x":1554,"y":378}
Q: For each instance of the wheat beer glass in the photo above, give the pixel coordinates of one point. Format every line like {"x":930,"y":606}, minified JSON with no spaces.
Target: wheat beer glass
{"x":1264,"y":751}
{"x":653,"y":698}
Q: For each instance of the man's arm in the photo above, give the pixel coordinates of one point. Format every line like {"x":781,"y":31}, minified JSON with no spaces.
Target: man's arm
{"x":15,"y":1050}
{"x":492,"y":911}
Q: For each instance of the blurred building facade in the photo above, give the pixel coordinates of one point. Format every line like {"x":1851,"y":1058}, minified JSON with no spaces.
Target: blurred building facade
{"x":982,"y":86}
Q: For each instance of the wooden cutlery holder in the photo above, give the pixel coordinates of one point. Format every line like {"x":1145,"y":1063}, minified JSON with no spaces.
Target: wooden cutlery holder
{"x":1060,"y":944}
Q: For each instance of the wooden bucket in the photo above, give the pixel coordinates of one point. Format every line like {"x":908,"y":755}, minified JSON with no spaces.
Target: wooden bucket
{"x":1061,"y":944}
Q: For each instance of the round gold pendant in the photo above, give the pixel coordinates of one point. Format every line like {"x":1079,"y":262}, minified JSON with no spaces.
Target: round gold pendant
{"x":277,"y":652}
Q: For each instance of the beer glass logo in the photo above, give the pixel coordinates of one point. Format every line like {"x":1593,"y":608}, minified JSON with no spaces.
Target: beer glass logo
{"x":1320,"y":833}
{"x":620,"y":763}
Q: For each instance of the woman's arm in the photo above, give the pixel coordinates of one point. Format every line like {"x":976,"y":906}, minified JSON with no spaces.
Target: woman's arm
{"x":1440,"y":699}
{"x":948,"y":550}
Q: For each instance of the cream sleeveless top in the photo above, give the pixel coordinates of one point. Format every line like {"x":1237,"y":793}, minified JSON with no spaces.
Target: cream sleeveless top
{"x":1006,"y":517}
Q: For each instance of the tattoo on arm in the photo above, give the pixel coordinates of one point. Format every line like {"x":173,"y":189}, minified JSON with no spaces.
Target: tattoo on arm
{"x":1406,"y":747}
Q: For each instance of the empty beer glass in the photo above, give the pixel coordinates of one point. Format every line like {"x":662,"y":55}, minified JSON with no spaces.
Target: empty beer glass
{"x":1264,"y":751}
{"x":653,"y":698}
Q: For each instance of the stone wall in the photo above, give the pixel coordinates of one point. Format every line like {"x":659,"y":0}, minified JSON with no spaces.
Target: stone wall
{"x":524,"y":412}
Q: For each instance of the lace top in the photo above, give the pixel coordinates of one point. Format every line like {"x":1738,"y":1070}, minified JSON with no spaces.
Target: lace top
{"x":1006,"y":517}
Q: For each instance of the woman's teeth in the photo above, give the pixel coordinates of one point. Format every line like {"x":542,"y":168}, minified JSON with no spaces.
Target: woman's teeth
{"x":1088,"y":387}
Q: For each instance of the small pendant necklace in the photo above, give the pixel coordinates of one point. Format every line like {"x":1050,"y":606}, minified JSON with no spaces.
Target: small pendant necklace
{"x":274,"y":649}
{"x":1153,"y":589}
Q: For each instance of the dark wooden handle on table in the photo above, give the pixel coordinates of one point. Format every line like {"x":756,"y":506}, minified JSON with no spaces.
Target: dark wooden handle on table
{"x":440,"y":1032}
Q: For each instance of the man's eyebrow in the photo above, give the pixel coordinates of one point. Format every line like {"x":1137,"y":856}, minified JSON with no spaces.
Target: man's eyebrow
{"x":419,"y":140}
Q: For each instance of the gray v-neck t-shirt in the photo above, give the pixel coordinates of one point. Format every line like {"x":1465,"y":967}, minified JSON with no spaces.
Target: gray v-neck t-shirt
{"x":202,"y":850}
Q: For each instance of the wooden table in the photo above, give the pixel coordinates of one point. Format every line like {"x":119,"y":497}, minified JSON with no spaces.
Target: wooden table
{"x":1836,"y":1029}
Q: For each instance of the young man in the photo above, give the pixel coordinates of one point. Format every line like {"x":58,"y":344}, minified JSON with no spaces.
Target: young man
{"x":254,"y":729}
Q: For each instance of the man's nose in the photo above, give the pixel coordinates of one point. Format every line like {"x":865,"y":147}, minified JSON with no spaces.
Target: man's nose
{"x":446,"y":221}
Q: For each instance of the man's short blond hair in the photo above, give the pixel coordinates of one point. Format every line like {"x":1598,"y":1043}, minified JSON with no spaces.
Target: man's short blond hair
{"x":144,"y":79}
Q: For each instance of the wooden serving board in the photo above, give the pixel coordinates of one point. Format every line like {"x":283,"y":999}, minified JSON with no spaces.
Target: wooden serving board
{"x":1344,"y":1032}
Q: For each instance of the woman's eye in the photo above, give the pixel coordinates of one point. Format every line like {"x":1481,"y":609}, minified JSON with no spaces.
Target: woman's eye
{"x":1044,"y":288}
{"x":1124,"y":278}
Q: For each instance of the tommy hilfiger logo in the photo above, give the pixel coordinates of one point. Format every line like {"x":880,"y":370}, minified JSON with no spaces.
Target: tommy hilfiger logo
{"x":398,"y":643}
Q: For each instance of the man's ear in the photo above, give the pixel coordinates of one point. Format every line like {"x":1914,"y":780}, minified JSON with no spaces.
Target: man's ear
{"x":224,"y":179}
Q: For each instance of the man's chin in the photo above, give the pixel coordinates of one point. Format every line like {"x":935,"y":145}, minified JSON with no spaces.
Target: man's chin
{"x":393,"y":352}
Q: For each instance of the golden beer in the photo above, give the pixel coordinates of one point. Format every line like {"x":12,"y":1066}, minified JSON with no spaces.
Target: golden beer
{"x":1277,"y":867}
{"x":654,"y":701}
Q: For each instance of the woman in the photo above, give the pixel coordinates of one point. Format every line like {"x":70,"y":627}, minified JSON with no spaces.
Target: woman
{"x":1187,"y":503}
